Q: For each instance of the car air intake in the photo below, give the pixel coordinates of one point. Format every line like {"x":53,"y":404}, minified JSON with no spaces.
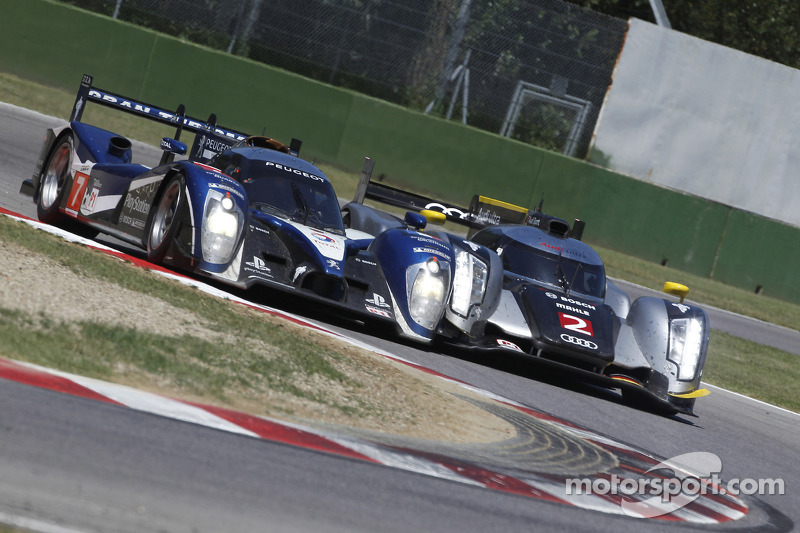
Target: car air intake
{"x":558,"y":227}
{"x":119,"y":147}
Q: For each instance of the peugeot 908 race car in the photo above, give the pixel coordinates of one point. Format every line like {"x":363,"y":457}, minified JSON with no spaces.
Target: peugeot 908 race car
{"x":557,"y":305}
{"x":247,"y":211}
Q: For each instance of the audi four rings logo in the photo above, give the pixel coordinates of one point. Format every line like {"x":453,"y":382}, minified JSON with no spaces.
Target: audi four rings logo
{"x":578,"y":341}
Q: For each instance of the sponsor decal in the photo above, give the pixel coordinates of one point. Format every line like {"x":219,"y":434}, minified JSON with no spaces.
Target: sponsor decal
{"x":132,"y":222}
{"x":572,"y":309}
{"x":226,"y":188}
{"x":377,"y":300}
{"x":258,"y":265}
{"x":143,"y":109}
{"x":487,"y":216}
{"x":427,"y":250}
{"x":366,"y":262}
{"x":577,"y":324}
{"x":332,"y":263}
{"x":134,"y":106}
{"x":449,"y":211}
{"x":322,"y":237}
{"x":138,"y":205}
{"x":683,"y":308}
{"x":578,"y":341}
{"x":571,"y":301}
{"x":561,"y":249}
{"x":426,"y":238}
{"x":298,"y":272}
{"x":379,"y":312}
{"x":330,"y":246}
{"x":294,"y":171}
{"x":508,"y":345}
{"x":215,"y":145}
{"x":77,"y":192}
{"x":90,"y":201}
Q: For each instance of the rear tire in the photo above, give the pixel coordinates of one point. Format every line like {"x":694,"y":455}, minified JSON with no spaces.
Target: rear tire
{"x":166,"y":219}
{"x":53,"y":181}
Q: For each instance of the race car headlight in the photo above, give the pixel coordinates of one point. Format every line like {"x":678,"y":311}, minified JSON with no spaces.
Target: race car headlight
{"x":221,"y":227}
{"x":469,"y":282}
{"x":685,"y":345}
{"x":427,"y":284}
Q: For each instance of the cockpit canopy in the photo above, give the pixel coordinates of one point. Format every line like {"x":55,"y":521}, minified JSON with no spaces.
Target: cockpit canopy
{"x":562,"y":263}
{"x":284,"y":186}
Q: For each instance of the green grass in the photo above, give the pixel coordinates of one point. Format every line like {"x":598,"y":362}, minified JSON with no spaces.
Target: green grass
{"x":753,"y":370}
{"x":195,"y":366}
{"x":702,"y":290}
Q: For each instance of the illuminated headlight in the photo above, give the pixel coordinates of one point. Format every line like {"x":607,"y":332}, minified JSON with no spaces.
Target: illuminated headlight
{"x":427,"y":284}
{"x":469,"y":282}
{"x":685,"y":344}
{"x":221,"y":227}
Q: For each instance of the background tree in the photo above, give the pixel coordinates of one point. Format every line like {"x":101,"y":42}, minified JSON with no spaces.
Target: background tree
{"x":766,"y":28}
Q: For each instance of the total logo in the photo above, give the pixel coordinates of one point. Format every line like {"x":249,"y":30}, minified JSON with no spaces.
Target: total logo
{"x":578,"y":341}
{"x":322,"y":237}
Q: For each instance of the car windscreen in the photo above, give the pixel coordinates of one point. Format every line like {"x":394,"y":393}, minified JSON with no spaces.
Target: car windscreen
{"x":298,"y":196}
{"x":554,"y":269}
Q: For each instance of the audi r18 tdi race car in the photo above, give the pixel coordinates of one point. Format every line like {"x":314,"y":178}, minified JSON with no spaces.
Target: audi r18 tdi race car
{"x":557,"y":305}
{"x":247,"y":211}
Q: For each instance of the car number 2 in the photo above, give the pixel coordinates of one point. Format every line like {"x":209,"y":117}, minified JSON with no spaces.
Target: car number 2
{"x":577,"y":324}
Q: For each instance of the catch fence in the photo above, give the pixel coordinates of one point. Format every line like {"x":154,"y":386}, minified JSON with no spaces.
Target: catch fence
{"x":533,"y":70}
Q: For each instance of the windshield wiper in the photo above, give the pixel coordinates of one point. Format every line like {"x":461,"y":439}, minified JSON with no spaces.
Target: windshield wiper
{"x":301,"y":202}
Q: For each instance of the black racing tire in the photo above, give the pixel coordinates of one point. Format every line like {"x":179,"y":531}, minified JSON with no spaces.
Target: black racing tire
{"x":53,"y":181}
{"x":166,"y":218}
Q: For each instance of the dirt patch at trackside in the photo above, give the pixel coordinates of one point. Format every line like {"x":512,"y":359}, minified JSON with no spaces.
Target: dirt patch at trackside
{"x":386,"y":396}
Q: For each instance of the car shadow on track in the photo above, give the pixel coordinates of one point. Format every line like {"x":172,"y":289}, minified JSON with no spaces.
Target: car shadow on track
{"x":522,"y":365}
{"x":541,"y":370}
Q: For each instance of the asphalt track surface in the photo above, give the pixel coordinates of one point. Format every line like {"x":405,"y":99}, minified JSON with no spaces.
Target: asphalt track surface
{"x":71,"y":464}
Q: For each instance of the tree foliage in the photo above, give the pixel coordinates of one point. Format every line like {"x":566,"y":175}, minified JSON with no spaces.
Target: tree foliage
{"x":765,"y":28}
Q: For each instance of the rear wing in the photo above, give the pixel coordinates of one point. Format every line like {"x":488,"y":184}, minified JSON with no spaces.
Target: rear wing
{"x":210,"y":139}
{"x":482,"y":211}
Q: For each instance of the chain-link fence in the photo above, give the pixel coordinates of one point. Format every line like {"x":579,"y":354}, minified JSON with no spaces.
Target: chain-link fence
{"x":534,"y":70}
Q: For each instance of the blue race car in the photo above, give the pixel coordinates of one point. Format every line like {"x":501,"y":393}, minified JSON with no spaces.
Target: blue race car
{"x":247,"y":211}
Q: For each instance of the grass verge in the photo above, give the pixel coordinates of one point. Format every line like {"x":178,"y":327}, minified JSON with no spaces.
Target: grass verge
{"x":68,"y":307}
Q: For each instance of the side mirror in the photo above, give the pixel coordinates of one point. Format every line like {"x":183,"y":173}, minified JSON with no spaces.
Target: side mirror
{"x":676,"y":289}
{"x":415,"y":220}
{"x":172,"y":146}
{"x":434,"y":217}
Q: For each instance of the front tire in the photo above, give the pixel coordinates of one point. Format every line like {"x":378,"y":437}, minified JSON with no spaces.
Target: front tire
{"x":53,"y":181}
{"x":166,"y":219}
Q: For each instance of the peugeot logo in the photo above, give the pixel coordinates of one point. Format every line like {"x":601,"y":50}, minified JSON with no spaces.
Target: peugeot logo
{"x":577,"y":340}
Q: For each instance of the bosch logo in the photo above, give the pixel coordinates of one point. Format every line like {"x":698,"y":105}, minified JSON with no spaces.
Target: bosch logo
{"x":551,"y":295}
{"x":578,"y":341}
